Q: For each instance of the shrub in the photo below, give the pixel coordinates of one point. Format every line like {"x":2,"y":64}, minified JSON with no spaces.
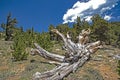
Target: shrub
{"x":19,"y":47}
{"x":44,"y":41}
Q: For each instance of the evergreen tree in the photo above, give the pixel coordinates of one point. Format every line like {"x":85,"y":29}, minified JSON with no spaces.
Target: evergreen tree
{"x":10,"y":24}
{"x":21,"y":29}
{"x":63,"y":28}
{"x":78,"y":25}
{"x":115,"y":27}
{"x":19,"y":47}
{"x":52,"y":35}
{"x":100,"y":28}
{"x":85,"y":24}
{"x":30,"y":37}
{"x":43,"y":39}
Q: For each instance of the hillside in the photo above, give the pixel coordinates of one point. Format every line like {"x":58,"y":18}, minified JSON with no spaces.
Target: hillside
{"x":101,"y":66}
{"x":77,"y":41}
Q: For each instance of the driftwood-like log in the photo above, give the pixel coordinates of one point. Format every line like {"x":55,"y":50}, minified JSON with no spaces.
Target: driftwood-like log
{"x":76,"y":55}
{"x":46,"y":54}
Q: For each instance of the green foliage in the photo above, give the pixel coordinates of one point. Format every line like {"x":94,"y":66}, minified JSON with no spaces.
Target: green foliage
{"x":63,"y":28}
{"x":44,"y":41}
{"x":29,"y":37}
{"x":115,"y":27}
{"x":22,"y":40}
{"x":19,"y":47}
{"x":8,"y":27}
{"x":100,"y":29}
{"x":107,"y":32}
{"x":78,"y":25}
{"x":52,"y":35}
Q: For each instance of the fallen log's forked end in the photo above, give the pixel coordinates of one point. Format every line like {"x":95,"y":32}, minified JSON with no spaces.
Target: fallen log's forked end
{"x":34,"y":52}
{"x":55,"y":30}
{"x":94,"y":49}
{"x":94,"y":44}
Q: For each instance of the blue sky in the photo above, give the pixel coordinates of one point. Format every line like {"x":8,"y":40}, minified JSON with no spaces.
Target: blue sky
{"x":41,"y":13}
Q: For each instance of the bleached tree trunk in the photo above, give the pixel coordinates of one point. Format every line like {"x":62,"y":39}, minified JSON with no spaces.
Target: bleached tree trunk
{"x":76,"y":55}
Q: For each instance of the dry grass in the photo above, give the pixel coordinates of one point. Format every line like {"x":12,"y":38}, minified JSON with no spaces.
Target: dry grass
{"x":23,"y":70}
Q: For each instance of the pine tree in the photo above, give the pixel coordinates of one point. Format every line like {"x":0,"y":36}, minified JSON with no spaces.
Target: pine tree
{"x":52,"y":36}
{"x":78,"y":25}
{"x":10,"y":23}
{"x":43,"y":39}
{"x":100,"y":28}
{"x":19,"y":47}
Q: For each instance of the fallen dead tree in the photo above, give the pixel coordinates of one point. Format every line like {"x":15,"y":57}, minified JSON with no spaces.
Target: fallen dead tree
{"x":76,"y":55}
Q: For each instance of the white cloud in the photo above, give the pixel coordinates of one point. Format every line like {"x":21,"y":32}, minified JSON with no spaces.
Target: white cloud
{"x":85,"y":10}
{"x":88,"y":18}
{"x":104,"y":9}
{"x":107,"y":17}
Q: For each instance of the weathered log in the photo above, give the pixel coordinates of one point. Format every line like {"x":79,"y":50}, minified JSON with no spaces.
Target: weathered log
{"x":76,"y":55}
{"x":69,"y":45}
{"x":46,"y":54}
{"x":48,"y":74}
{"x":60,"y":72}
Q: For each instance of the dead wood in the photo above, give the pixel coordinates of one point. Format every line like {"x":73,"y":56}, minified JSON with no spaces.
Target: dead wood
{"x":76,"y":55}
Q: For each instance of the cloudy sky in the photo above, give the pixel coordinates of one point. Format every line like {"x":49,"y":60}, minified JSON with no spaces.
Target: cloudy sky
{"x":41,"y":13}
{"x":108,"y":9}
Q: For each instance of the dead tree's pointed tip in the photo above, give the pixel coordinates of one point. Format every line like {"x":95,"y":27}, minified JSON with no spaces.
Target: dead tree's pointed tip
{"x":68,"y":36}
{"x":54,"y":30}
{"x":34,"y":52}
{"x":35,"y":43}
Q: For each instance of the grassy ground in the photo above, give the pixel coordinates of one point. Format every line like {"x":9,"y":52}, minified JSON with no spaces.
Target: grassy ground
{"x":100,"y":67}
{"x":21,"y":70}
